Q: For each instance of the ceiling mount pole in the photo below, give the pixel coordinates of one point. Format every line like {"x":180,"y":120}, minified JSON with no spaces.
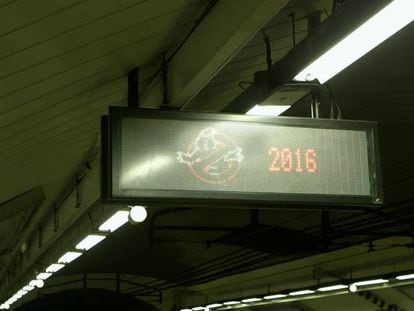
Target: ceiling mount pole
{"x":133,"y":88}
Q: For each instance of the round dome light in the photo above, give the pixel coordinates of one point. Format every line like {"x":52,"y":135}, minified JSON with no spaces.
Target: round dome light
{"x":137,"y":214}
{"x":353,"y":288}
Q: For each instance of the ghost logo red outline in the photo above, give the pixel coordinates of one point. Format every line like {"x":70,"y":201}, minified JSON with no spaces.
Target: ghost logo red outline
{"x":212,"y":157}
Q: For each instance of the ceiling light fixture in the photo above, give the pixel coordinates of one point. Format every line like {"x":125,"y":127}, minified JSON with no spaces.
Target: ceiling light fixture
{"x":69,"y":257}
{"x":28,"y":288}
{"x":230,"y":303}
{"x":115,"y":221}
{"x":405,"y":277}
{"x":392,"y":18}
{"x":137,"y":214}
{"x":332,"y":288}
{"x":90,"y":241}
{"x":276,"y":296}
{"x":302,"y":292}
{"x":37,"y":283}
{"x":214,"y":305}
{"x":371,"y":282}
{"x":43,"y":276}
{"x":55,"y":267}
{"x":267,"y":110}
{"x":248,"y":300}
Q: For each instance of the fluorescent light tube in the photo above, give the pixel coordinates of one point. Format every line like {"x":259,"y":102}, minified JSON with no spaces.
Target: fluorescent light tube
{"x":229,"y":303}
{"x":115,"y":221}
{"x":405,"y":277}
{"x":247,"y":300}
{"x":17,"y":296}
{"x":185,"y":310}
{"x":277,"y":296}
{"x":89,"y":242}
{"x":37,"y":283}
{"x":28,"y":288}
{"x":198,"y":308}
{"x":373,"y":32}
{"x":43,"y":276}
{"x":267,"y":110}
{"x":214,"y":305}
{"x":332,"y":288}
{"x":301,"y":292}
{"x":371,"y":282}
{"x":69,"y":257}
{"x":55,"y":267}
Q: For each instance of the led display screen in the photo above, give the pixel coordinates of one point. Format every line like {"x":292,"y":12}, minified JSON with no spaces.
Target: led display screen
{"x":176,"y":156}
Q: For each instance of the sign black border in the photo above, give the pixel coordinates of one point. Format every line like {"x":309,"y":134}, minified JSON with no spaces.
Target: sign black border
{"x":111,"y":133}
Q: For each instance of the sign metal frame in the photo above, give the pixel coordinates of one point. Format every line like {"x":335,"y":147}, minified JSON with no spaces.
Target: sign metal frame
{"x":111,"y":135}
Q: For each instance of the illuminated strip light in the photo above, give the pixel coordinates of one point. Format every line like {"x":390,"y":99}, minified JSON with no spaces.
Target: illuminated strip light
{"x":89,"y":242}
{"x":28,"y":288}
{"x":373,"y":32}
{"x":302,"y":292}
{"x":69,"y":257}
{"x":231,"y":303}
{"x":115,"y":221}
{"x":55,"y":267}
{"x":248,"y":300}
{"x":267,"y":110}
{"x":214,"y":305}
{"x":405,"y":277}
{"x":43,"y":276}
{"x":370,"y":282}
{"x":198,"y":308}
{"x":332,"y":288}
{"x":277,"y":296}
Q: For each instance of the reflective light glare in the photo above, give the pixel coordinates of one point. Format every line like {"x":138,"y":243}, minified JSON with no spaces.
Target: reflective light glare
{"x":267,"y":110}
{"x":214,"y":305}
{"x":229,"y":303}
{"x":251,"y":300}
{"x":302,"y":292}
{"x":198,"y":308}
{"x":89,"y":242}
{"x":353,"y":288}
{"x":138,"y":213}
{"x":115,"y":221}
{"x":69,"y":257}
{"x":43,"y":276}
{"x":405,"y":277}
{"x":55,"y":267}
{"x":373,"y":32}
{"x":274,"y":296}
{"x":185,"y":310}
{"x":332,"y":288}
{"x":142,"y":169}
{"x":371,"y":282}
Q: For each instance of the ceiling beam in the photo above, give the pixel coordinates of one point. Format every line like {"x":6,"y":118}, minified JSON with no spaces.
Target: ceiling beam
{"x":21,"y":202}
{"x":222,"y":33}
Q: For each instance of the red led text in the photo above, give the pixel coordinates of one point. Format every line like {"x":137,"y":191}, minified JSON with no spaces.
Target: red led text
{"x":292,"y":160}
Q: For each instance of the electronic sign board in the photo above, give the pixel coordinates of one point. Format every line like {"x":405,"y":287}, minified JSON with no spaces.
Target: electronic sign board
{"x":171,"y":157}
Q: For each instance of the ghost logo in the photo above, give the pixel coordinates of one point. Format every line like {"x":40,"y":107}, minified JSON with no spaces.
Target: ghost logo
{"x":212,"y":157}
